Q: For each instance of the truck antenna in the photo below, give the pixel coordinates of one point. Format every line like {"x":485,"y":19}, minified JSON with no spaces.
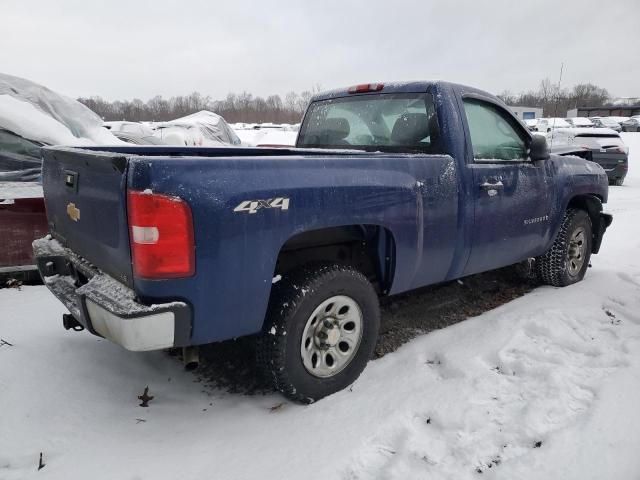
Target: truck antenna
{"x":555,"y":107}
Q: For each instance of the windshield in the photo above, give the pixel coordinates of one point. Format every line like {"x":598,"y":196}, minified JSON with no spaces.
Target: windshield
{"x":386,"y":122}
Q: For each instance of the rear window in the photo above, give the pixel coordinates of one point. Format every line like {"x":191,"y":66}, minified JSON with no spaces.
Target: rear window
{"x":602,"y":140}
{"x":404,"y":122}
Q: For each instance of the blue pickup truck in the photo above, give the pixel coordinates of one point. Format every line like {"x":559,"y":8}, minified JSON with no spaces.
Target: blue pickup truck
{"x":391,"y":187}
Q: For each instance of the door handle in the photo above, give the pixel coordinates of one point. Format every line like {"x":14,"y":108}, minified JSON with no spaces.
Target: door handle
{"x":495,"y":186}
{"x":492,"y":188}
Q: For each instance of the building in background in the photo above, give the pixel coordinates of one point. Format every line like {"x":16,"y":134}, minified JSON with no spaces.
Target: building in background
{"x":526,"y":113}
{"x":619,"y":110}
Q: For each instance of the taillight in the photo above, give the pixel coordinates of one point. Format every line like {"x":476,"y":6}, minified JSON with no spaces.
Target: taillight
{"x":161,"y":233}
{"x":366,"y":87}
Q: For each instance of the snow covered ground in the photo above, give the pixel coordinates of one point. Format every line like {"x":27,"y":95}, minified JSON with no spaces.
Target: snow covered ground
{"x":544,"y":387}
{"x":267,"y":135}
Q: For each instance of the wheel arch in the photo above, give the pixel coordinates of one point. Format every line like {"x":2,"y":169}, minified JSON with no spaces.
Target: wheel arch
{"x":592,"y":204}
{"x":369,"y":247}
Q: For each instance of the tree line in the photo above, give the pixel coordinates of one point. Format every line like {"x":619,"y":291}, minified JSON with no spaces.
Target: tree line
{"x":243,"y":107}
{"x":556,"y":101}
{"x":247,"y":108}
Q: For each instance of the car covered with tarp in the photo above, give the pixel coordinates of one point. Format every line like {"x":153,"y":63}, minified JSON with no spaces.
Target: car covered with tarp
{"x":33,"y":116}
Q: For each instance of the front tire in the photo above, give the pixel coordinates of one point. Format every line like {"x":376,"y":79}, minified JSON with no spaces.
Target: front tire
{"x":567,"y":260}
{"x":320,"y":332}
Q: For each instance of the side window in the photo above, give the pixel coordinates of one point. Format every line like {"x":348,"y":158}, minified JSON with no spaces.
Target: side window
{"x":492,"y":136}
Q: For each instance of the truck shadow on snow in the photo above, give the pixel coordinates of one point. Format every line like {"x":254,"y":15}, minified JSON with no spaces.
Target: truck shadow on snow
{"x":230,"y":365}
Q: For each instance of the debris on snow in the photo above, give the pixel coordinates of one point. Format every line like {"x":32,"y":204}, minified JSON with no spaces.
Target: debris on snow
{"x":145,"y":398}
{"x":276,"y":407}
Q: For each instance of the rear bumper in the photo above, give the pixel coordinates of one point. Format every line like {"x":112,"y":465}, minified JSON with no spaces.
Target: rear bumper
{"x":616,"y":166}
{"x":619,"y":171}
{"x":106,"y":307}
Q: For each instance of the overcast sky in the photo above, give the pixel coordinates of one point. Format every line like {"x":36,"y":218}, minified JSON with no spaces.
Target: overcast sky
{"x":125,"y":49}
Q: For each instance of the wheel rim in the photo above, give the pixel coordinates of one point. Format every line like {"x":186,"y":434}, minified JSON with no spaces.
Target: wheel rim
{"x":331,"y":336}
{"x":577,"y":251}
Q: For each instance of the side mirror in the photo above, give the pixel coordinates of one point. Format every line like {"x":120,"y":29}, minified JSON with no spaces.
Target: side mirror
{"x":538,"y":148}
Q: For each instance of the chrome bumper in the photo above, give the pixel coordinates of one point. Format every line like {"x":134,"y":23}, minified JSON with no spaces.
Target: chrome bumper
{"x":106,"y":307}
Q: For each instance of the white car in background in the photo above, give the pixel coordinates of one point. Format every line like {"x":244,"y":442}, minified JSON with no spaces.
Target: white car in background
{"x":632,"y":124}
{"x":548,"y":124}
{"x":605,"y":145}
{"x":619,"y":119}
{"x":580,"y":122}
{"x":606,"y":122}
{"x":531,"y":123}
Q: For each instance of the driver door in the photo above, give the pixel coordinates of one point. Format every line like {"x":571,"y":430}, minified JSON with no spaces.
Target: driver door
{"x":512,"y":195}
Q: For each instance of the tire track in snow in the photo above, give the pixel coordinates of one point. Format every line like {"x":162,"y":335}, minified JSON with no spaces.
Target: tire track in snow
{"x":544,"y":378}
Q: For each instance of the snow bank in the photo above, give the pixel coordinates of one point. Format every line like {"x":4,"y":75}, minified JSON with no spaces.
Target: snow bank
{"x":253,"y":138}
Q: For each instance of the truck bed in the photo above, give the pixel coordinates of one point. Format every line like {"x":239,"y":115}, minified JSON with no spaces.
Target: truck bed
{"x":236,"y":246}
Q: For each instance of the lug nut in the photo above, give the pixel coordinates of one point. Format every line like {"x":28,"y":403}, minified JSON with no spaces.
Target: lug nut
{"x":328,"y":324}
{"x":322,"y":335}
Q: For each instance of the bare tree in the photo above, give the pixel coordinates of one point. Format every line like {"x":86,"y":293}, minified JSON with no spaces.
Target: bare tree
{"x":245,"y":107}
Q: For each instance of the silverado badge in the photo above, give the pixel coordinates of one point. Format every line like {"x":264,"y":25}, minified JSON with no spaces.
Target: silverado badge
{"x":73,"y":212}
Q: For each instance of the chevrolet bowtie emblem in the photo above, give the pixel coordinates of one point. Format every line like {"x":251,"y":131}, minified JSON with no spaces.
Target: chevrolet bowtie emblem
{"x":73,"y":212}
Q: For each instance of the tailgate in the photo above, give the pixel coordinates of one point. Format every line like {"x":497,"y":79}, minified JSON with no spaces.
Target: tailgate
{"x":85,"y":197}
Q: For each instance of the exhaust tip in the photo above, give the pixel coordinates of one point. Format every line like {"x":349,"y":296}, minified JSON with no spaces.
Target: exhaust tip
{"x":191,"y":358}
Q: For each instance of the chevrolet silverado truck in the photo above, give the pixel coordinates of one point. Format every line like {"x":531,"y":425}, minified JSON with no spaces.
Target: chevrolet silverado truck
{"x":391,"y":187}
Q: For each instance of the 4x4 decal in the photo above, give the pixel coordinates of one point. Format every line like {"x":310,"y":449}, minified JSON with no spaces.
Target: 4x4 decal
{"x":252,"y":206}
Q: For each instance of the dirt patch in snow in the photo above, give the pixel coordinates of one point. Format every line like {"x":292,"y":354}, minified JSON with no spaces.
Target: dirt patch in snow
{"x":230,"y":365}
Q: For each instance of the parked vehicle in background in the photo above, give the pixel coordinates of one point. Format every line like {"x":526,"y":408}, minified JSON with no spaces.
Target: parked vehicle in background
{"x":201,"y":129}
{"x":548,"y":124}
{"x":579,"y":122}
{"x":392,"y":187}
{"x":618,"y":119}
{"x":632,"y":124}
{"x":532,"y":124}
{"x":607,"y":148}
{"x":32,"y":116}
{"x":606,"y":122}
{"x":133,"y":128}
{"x":137,"y":139}
{"x":22,"y":213}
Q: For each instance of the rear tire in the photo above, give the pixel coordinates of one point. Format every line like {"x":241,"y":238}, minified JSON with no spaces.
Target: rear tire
{"x":567,"y":260}
{"x":320,"y":331}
